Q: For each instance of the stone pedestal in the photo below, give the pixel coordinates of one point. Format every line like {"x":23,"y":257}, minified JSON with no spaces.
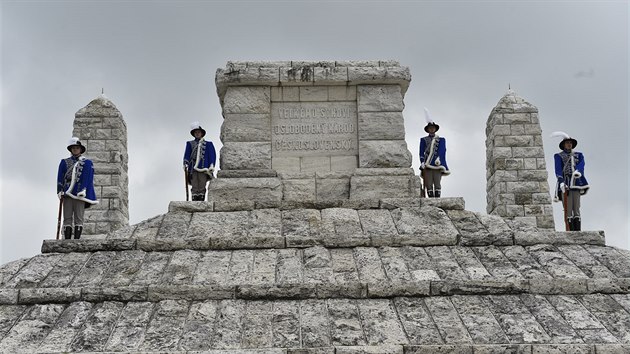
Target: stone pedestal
{"x":313,"y":126}
{"x":516,"y":175}
{"x":100,"y":126}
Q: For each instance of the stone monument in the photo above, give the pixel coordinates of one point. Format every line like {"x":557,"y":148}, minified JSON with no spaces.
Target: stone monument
{"x":101,"y":127}
{"x":517,"y":186}
{"x":312,"y":133}
{"x":360,"y":272}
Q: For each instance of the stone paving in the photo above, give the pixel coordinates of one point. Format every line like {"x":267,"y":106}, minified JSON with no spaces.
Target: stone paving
{"x":373,"y":277}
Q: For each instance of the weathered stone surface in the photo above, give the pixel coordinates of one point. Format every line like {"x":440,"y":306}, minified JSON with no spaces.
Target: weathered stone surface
{"x":384,"y":154}
{"x":381,"y":126}
{"x":239,"y":100}
{"x":379,"y":98}
{"x":189,"y":207}
{"x":245,"y":155}
{"x":423,"y":226}
{"x":377,"y":187}
{"x":259,"y":190}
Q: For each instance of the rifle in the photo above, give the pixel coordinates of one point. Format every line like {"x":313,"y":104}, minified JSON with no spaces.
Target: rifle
{"x":423,"y":194}
{"x":59,"y":218}
{"x":565,"y":195}
{"x":186,"y":182}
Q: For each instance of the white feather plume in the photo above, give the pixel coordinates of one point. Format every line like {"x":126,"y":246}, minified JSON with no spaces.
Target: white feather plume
{"x":427,"y":116}
{"x":560,"y":134}
{"x":73,"y":141}
{"x":194,"y":125}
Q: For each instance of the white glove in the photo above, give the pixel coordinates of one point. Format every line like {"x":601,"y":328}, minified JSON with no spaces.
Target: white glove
{"x":563,"y":187}
{"x":422,"y":166}
{"x":60,"y":195}
{"x":577,"y":174}
{"x":82,"y":194}
{"x":437,"y":162}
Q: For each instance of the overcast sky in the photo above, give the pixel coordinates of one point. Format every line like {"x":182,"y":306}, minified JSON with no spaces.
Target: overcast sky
{"x":157,"y":60}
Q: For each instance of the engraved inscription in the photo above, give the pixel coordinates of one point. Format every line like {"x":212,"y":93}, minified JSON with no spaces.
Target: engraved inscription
{"x":314,"y":129}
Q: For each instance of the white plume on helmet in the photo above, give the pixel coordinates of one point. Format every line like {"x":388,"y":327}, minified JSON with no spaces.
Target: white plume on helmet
{"x":73,"y":141}
{"x":195,"y":125}
{"x":427,"y":116}
{"x":560,"y":134}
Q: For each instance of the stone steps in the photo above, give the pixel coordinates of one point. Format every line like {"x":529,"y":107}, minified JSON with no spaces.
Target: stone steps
{"x":302,"y":291}
{"x":462,"y":324}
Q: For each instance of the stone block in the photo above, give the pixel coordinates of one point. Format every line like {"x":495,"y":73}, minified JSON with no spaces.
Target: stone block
{"x":532,"y":175}
{"x":372,"y":349}
{"x":523,"y":187}
{"x":246,"y":189}
{"x":609,"y":285}
{"x":9,"y":296}
{"x":296,"y":75}
{"x":290,"y":94}
{"x":380,"y":75}
{"x":514,"y":118}
{"x":384,"y":172}
{"x":313,"y":93}
{"x":533,"y":210}
{"x":247,"y":173}
{"x":247,"y":99}
{"x":285,"y":164}
{"x":423,"y":226}
{"x":332,"y":189}
{"x":518,"y":141}
{"x":344,"y":163}
{"x":535,"y":151}
{"x":377,"y":187}
{"x":246,"y":128}
{"x":245,"y":155}
{"x":276,"y":93}
{"x":331,"y":75}
{"x":384,"y":154}
{"x":299,"y":189}
{"x":514,"y":164}
{"x":310,"y":164}
{"x":477,"y":287}
{"x":342,"y":93}
{"x":502,"y":153}
{"x":190,"y":207}
{"x":558,"y":286}
{"x":498,"y":130}
{"x":379,"y":98}
{"x":381,"y":126}
{"x":532,"y":129}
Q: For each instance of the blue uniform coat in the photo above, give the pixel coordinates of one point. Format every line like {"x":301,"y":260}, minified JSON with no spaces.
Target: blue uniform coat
{"x":565,"y":168}
{"x":75,"y":179}
{"x":434,"y":158}
{"x":199,"y":156}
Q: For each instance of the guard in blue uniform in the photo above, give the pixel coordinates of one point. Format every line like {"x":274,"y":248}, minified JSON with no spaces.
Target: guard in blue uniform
{"x":569,"y":168}
{"x":75,"y":184}
{"x":433,"y":158}
{"x":199,"y":160}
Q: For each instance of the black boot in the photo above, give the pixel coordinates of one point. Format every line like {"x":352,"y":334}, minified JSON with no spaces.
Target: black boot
{"x":577,"y":224}
{"x":438,"y":192}
{"x":77,"y":232}
{"x":67,"y":232}
{"x":430,"y":194}
{"x":570,"y":223}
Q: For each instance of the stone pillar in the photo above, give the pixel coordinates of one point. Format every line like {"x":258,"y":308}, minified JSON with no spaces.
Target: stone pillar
{"x":314,"y":131}
{"x":516,"y":174}
{"x":100,"y":126}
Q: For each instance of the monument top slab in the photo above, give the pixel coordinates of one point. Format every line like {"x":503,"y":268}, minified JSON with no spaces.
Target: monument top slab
{"x":311,"y":73}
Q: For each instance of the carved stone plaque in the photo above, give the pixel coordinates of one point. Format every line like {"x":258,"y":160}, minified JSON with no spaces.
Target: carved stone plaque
{"x":301,"y":129}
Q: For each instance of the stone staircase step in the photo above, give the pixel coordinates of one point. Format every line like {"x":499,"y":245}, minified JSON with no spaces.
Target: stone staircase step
{"x":301,"y":291}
